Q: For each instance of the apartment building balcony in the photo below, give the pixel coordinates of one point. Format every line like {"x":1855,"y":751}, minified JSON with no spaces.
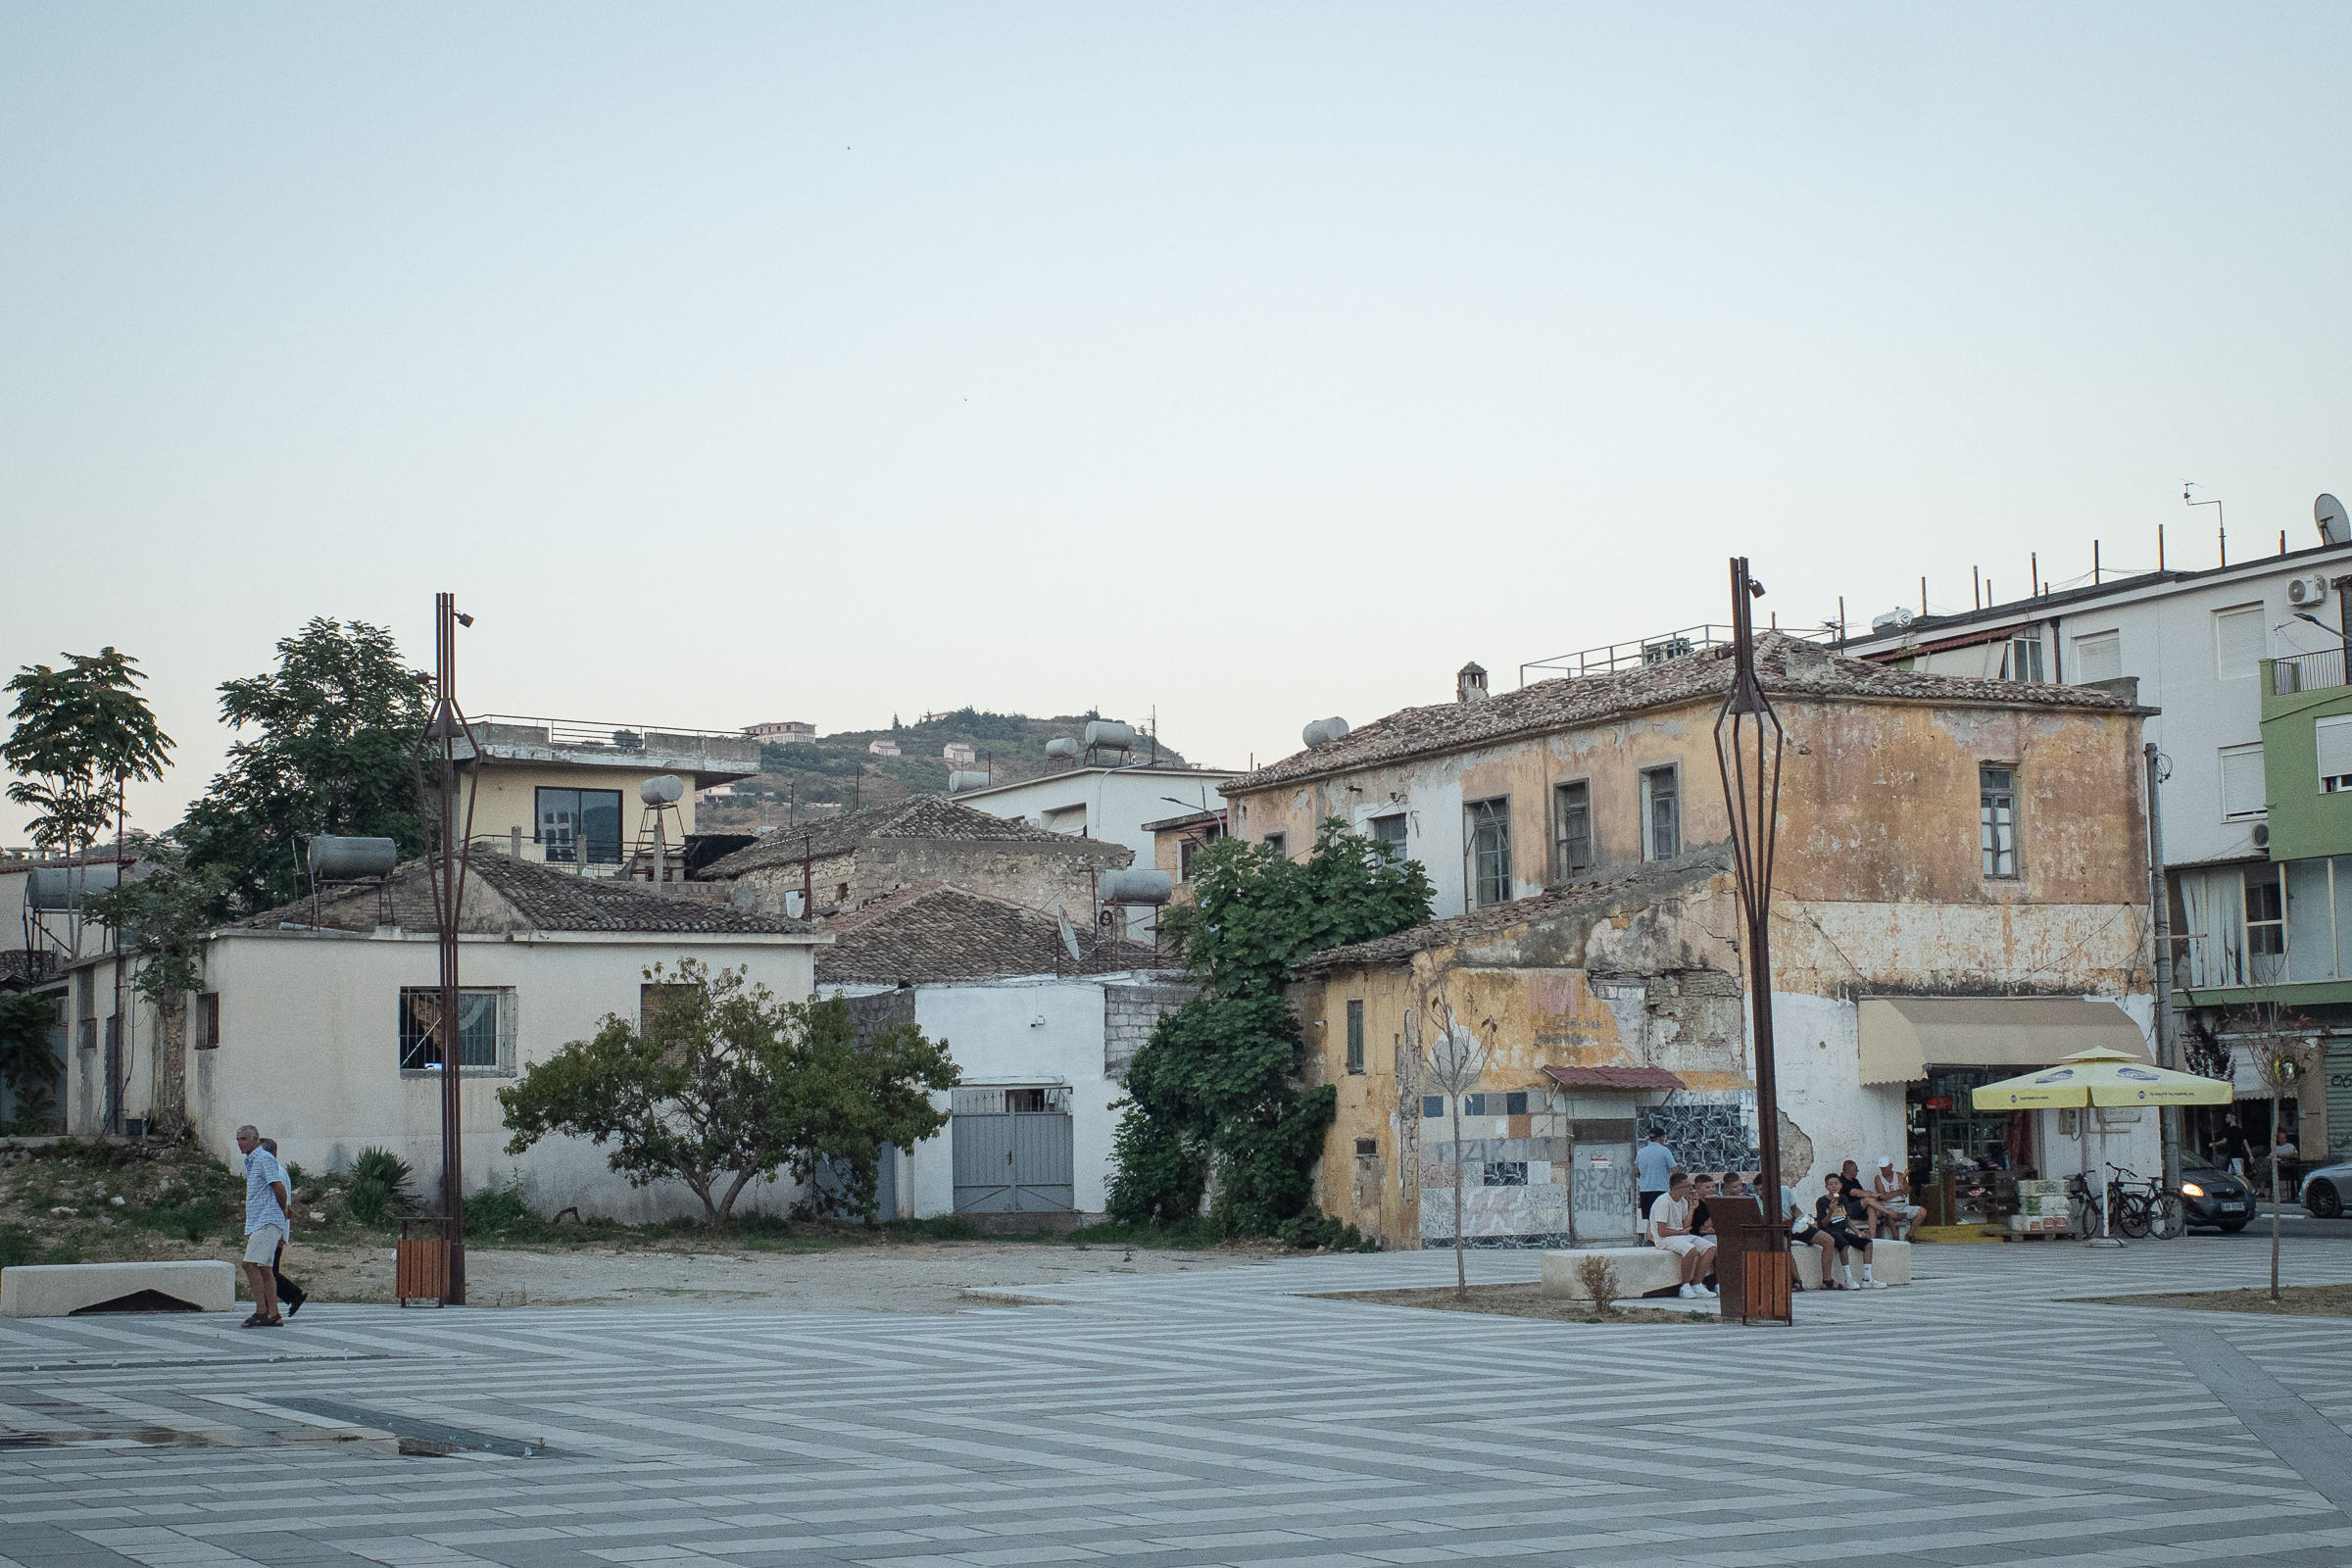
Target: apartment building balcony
{"x":2307,"y":672}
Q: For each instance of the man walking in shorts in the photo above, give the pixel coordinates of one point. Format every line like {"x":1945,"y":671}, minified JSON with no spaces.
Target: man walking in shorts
{"x":1653,"y":1171}
{"x":267,"y":1226}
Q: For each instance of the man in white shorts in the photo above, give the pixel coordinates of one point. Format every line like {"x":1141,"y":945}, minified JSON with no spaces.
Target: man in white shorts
{"x":1670,"y":1231}
{"x":267,"y":1226}
{"x":1891,"y":1198}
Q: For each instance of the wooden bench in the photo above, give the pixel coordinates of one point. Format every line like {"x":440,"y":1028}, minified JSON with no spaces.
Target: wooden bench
{"x":68,"y":1290}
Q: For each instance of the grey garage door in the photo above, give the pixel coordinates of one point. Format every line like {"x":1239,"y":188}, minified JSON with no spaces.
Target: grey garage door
{"x":1012,"y":1150}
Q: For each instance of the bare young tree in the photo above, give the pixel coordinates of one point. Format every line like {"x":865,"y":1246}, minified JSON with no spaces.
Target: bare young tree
{"x":2281,"y":1064}
{"x":1453,"y":1058}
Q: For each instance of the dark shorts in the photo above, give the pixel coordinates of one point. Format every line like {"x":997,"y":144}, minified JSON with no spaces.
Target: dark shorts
{"x":1810,"y":1235}
{"x":1847,"y":1243}
{"x":1649,"y":1197}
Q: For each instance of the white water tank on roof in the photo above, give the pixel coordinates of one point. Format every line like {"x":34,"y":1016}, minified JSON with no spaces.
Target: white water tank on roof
{"x":1105,"y":735}
{"x":345,"y":860}
{"x":1135,"y":886}
{"x":1323,"y":731}
{"x":962,"y":779}
{"x":667,"y":789}
{"x":1061,"y":747}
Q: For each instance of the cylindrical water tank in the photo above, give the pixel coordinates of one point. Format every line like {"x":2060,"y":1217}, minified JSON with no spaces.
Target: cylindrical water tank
{"x":1323,"y":731}
{"x":61,"y":887}
{"x":667,"y":789}
{"x":341,"y":859}
{"x":962,"y":779}
{"x":1109,"y":736}
{"x":1062,"y":745}
{"x":1135,"y":886}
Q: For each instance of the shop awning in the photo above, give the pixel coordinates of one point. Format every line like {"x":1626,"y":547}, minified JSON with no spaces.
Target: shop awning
{"x":1635,"y":1078}
{"x":1902,"y":1035}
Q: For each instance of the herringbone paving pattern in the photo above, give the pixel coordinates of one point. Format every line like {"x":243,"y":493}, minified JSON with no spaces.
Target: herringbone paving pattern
{"x":1223,"y":1417}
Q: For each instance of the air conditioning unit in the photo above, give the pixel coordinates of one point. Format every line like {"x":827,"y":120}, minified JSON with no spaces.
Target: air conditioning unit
{"x":2262,"y":835}
{"x":2307,"y":592}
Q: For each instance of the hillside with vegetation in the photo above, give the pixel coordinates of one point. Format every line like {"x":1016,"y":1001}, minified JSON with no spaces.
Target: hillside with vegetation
{"x":837,"y":773}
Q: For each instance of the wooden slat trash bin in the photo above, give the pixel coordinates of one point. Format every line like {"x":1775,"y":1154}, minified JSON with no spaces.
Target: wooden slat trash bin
{"x":1752,"y":1263}
{"x":420,"y":1266}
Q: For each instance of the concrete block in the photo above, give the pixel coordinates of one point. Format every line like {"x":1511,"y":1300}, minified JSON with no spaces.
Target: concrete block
{"x":1640,"y":1270}
{"x":1889,"y":1260}
{"x":61,"y":1290}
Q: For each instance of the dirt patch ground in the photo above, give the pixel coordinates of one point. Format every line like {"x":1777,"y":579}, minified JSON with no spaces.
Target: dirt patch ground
{"x":2296,"y":1300}
{"x":1520,"y":1300}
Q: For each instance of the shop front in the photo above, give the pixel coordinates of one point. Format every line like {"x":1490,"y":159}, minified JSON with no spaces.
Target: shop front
{"x":1965,"y":1162}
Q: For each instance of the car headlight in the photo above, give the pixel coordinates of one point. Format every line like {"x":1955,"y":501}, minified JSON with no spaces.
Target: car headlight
{"x":2191,"y":1189}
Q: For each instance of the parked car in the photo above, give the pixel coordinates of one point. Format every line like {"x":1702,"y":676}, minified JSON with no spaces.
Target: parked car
{"x":2211,"y":1197}
{"x":2326,"y":1189}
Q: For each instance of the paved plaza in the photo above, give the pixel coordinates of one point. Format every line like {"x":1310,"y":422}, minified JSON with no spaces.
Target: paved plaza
{"x":1221,"y":1417}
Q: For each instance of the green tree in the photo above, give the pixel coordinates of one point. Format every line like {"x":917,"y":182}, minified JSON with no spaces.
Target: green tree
{"x":722,"y":1086}
{"x":27,"y":1064}
{"x":337,"y":730}
{"x":164,"y":914}
{"x":1215,"y":1089}
{"x":80,"y":734}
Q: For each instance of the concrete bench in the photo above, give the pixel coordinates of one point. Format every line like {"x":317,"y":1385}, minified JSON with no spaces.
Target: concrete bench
{"x":64,"y":1289}
{"x":1889,"y":1262}
{"x":1644,"y":1269}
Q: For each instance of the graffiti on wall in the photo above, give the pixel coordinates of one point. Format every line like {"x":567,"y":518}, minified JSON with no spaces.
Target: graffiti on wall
{"x":1708,"y":1129}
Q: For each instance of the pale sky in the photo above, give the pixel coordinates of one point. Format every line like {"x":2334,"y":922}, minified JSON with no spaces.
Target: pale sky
{"x":1261,"y":364}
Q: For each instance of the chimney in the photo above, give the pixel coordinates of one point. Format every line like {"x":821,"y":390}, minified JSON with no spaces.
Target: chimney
{"x":1470,"y":684}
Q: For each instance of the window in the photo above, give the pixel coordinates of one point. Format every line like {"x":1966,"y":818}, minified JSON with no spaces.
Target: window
{"x":2021,"y":657}
{"x":580,"y":828}
{"x":2242,"y":792}
{"x":1433,"y":1107}
{"x":85,"y":1009}
{"x":841,"y":895}
{"x":1996,"y":819}
{"x":1514,"y":1104}
{"x":1367,"y":1147}
{"x":485,"y":1028}
{"x":1279,"y":842}
{"x":1662,"y":814}
{"x":2335,"y":736}
{"x":1355,"y":1037}
{"x":2266,"y":912}
{"x":1028,"y":1100}
{"x":1474,"y":1104}
{"x":206,"y":1017}
{"x":2098,"y":656}
{"x":656,"y":994}
{"x":1388,"y":832}
{"x":1189,"y":846}
{"x":1571,"y":830}
{"x":1506,"y":1173}
{"x":1488,"y":852}
{"x":2237,"y":642}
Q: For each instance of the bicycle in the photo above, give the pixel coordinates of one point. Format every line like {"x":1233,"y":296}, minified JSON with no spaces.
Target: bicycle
{"x":2084,"y":1208}
{"x":2143,"y":1208}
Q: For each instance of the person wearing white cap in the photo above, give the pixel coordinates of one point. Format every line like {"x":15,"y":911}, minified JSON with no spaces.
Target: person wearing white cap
{"x":1890,"y":1196}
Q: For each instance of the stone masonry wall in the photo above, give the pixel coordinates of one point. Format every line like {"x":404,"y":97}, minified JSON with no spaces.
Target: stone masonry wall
{"x":1130,"y":1012}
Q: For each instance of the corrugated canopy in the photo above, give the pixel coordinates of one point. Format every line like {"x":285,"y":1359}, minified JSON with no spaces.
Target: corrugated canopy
{"x":1635,"y":1078}
{"x":1902,"y":1035}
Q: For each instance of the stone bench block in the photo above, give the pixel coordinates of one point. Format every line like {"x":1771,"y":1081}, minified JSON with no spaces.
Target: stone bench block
{"x":1889,"y":1262}
{"x":61,"y":1290}
{"x":1640,"y":1270}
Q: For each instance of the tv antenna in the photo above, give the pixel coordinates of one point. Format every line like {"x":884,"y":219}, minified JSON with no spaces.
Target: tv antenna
{"x":2222,"y":523}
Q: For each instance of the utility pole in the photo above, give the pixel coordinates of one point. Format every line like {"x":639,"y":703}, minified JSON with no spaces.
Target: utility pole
{"x":2168,"y":1040}
{"x":448,"y":868}
{"x":1752,"y":790}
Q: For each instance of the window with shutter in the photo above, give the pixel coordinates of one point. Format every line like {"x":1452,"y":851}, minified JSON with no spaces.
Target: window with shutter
{"x":2099,"y":657}
{"x":2242,"y":794}
{"x":2334,"y":736}
{"x":2237,"y":642}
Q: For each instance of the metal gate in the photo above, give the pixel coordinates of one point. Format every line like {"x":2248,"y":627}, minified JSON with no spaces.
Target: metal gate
{"x":1012,"y":1150}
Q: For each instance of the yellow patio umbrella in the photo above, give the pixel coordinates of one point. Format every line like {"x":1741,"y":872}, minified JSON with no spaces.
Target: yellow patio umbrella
{"x":2101,"y":1076}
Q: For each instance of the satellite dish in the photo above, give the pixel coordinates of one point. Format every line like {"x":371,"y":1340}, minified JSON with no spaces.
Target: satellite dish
{"x":2333,"y":528}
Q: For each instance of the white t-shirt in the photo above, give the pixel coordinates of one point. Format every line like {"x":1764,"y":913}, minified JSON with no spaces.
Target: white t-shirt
{"x":1667,"y":1211}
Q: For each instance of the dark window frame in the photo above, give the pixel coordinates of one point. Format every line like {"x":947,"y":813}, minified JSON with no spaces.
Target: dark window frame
{"x":204,"y":1021}
{"x":1486,"y":852}
{"x":1572,"y":808}
{"x":577,"y":848}
{"x":1355,"y":1037}
{"x":1381,"y":835}
{"x":1662,"y":841}
{"x":414,"y":1051}
{"x":1999,"y":840}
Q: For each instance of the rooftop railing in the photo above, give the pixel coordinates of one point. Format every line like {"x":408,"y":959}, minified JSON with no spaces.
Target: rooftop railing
{"x":2307,"y":672}
{"x":595,"y":735}
{"x":1611,"y":657}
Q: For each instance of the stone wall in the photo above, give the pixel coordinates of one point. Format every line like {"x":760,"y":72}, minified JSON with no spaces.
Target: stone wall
{"x":1040,"y":876}
{"x":1130,"y":1012}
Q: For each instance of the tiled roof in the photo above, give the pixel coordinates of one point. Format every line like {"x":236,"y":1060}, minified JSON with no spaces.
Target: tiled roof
{"x":1787,"y":666}
{"x":926,"y":816}
{"x":504,"y":895}
{"x":940,"y":932}
{"x":1644,"y":885}
{"x":1613,"y":1078}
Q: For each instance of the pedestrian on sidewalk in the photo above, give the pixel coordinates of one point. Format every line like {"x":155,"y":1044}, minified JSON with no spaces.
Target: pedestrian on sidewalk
{"x":1653,"y":1169}
{"x":267,"y":1222}
{"x":290,"y":1295}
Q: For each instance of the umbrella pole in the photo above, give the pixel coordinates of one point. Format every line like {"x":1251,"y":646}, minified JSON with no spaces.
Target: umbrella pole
{"x":2106,"y":1236}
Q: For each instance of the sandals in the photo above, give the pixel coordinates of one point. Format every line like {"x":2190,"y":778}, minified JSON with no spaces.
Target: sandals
{"x":256,"y":1322}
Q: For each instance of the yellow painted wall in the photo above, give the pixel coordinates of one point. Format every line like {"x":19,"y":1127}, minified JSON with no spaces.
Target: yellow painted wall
{"x":506,"y":798}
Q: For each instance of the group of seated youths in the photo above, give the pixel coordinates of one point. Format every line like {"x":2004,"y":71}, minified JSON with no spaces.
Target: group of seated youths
{"x":1847,"y":1218}
{"x":1679,"y":1223}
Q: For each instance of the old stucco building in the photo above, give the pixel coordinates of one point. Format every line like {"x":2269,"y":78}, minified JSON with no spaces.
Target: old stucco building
{"x":1961,"y":893}
{"x":843,"y":862}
